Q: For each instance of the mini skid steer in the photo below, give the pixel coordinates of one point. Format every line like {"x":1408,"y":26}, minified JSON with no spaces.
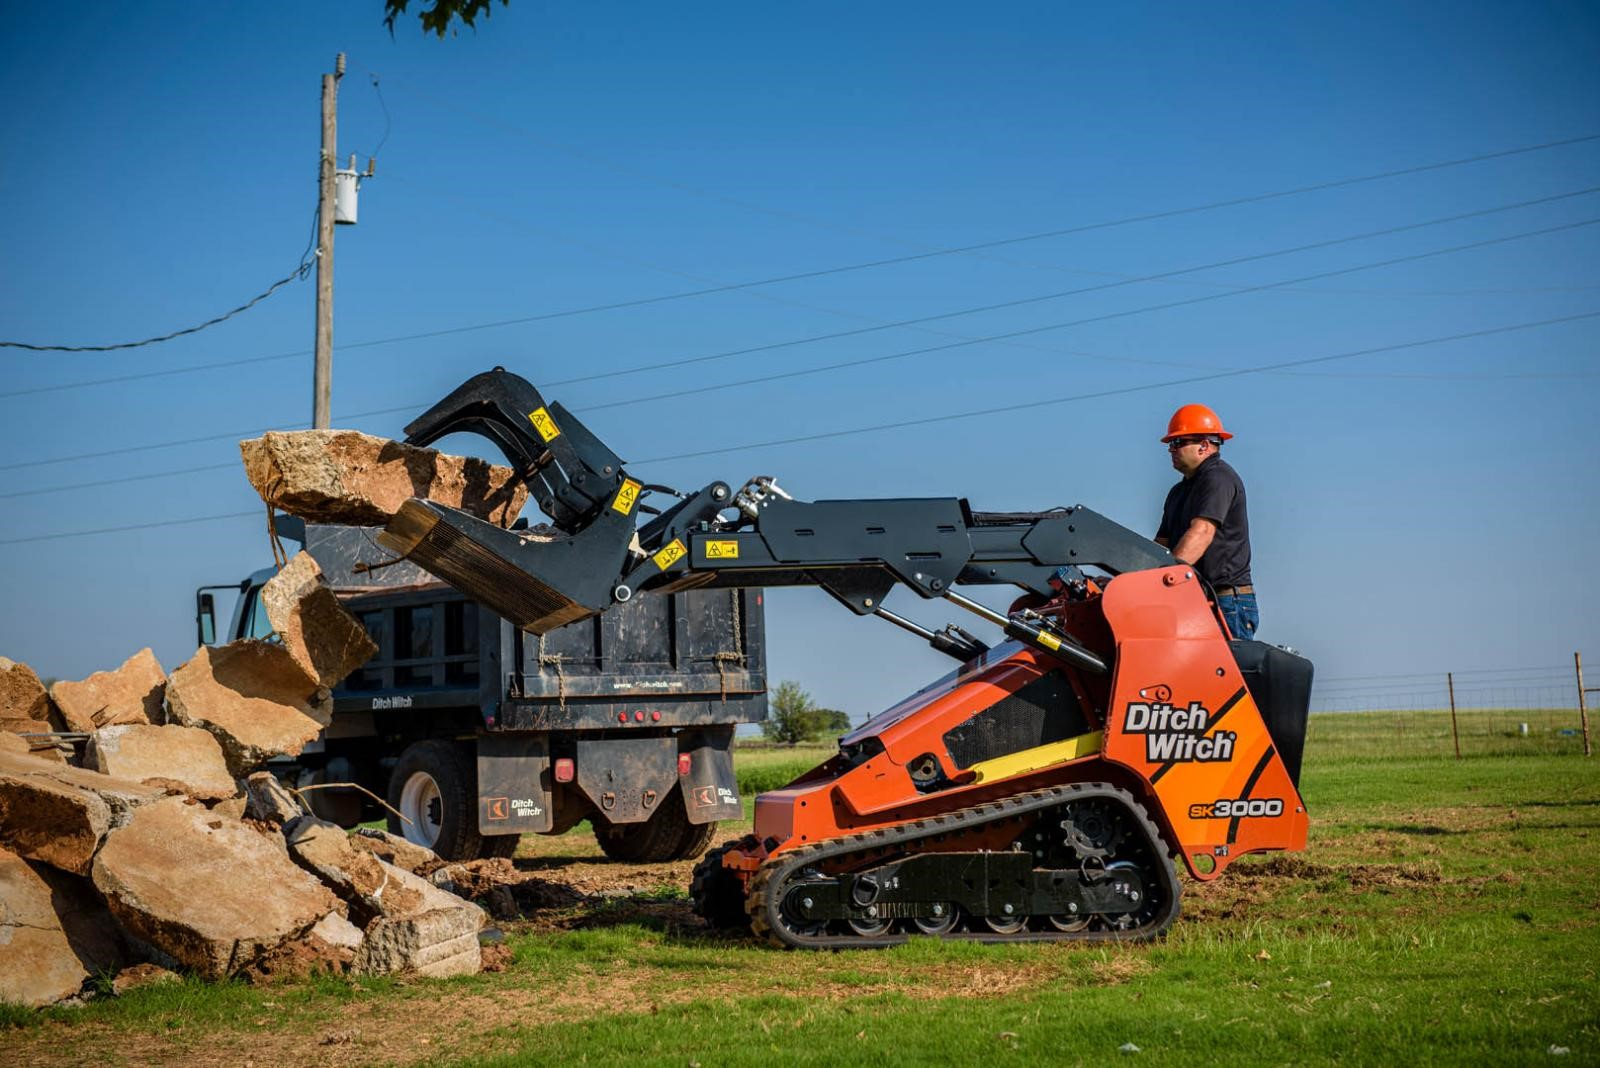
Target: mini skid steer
{"x":1040,"y":791}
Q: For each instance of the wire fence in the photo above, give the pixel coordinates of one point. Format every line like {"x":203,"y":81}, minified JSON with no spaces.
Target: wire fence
{"x":1476,"y":712}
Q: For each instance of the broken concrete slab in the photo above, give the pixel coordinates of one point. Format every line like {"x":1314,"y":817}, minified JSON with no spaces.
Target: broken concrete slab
{"x":268,"y":800}
{"x":91,"y":931}
{"x":37,"y":964}
{"x":335,"y":930}
{"x":59,"y":814}
{"x":23,"y":698}
{"x":321,"y":635}
{"x":423,"y":930}
{"x":48,"y":821}
{"x":208,"y":892}
{"x":346,"y":477}
{"x":252,"y":696}
{"x":361,"y":879}
{"x":186,"y":759}
{"x":419,"y":860}
{"x":130,"y":694}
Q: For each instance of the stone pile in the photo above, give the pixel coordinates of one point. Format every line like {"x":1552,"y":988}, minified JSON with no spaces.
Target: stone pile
{"x":160,"y":848}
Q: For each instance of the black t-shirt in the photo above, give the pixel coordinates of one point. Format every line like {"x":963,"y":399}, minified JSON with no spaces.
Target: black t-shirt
{"x":1214,"y":492}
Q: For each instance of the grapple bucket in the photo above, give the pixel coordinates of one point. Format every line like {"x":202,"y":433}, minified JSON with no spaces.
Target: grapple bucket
{"x":537,"y":582}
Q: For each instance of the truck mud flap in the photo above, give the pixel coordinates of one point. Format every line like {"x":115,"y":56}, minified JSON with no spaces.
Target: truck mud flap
{"x":514,"y":784}
{"x":710,"y":790}
{"x":627,"y":778}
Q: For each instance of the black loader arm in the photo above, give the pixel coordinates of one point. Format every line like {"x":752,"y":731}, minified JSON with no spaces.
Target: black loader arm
{"x":856,"y":550}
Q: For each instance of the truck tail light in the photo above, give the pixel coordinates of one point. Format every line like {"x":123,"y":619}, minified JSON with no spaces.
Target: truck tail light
{"x":683,"y":763}
{"x":566,"y":770}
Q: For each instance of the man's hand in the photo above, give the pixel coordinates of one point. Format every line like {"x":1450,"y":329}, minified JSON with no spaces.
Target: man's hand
{"x":1195,"y":541}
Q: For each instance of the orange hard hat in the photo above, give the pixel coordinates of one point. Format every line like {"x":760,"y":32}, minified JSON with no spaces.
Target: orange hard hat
{"x":1195,"y":421}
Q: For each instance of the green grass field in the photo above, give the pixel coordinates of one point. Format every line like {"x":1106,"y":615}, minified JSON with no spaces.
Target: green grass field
{"x":1445,"y":912}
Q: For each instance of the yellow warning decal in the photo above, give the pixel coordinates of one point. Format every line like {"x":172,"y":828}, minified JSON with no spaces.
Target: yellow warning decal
{"x":546,"y":426}
{"x":1048,"y":641}
{"x":722,"y":550}
{"x":671,"y":554}
{"x":627,"y":496}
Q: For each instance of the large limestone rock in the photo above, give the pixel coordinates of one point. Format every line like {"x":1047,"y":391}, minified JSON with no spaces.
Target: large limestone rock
{"x":252,"y":696}
{"x":423,"y":929}
{"x":361,"y":879}
{"x":211,"y":893}
{"x":182,"y":758}
{"x":321,"y":635}
{"x":343,"y":476}
{"x":59,"y":814}
{"x":37,"y":964}
{"x":419,"y":860}
{"x":23,"y":699}
{"x":130,"y":694}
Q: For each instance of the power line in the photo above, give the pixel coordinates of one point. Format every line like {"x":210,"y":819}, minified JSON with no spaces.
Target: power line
{"x":1257,"y":198}
{"x":1238,"y":372}
{"x":299,"y":273}
{"x":729,"y":287}
{"x":1234,"y":373}
{"x":133,"y":526}
{"x":1397,"y":375}
{"x":962,"y":342}
{"x":1059,"y":294}
{"x":116,"y":481}
{"x":1081,"y":322}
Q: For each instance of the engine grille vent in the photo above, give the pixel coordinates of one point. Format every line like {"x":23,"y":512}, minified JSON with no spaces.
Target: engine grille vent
{"x":1044,"y":711}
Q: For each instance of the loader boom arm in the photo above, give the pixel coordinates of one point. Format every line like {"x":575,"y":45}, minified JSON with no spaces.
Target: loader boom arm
{"x":856,"y":550}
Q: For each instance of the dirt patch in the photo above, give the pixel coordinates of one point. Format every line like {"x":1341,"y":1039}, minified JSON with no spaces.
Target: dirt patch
{"x":1360,"y":877}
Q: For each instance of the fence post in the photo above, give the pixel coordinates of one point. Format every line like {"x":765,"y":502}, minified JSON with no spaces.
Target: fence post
{"x":1583,"y":710}
{"x":1450,"y":681}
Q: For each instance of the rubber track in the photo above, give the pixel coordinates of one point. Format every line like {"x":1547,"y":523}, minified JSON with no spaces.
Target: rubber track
{"x":769,"y":884}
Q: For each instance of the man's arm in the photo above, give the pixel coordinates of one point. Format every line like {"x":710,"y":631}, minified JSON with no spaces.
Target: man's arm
{"x":1195,"y":541}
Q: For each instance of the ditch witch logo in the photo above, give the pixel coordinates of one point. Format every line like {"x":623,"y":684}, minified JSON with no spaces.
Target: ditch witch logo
{"x":1176,"y":734}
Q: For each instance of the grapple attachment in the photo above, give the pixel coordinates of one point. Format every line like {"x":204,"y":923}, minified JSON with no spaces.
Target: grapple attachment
{"x":537,"y":582}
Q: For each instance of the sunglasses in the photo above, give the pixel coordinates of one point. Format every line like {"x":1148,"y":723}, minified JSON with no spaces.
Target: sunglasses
{"x":1174,"y":446}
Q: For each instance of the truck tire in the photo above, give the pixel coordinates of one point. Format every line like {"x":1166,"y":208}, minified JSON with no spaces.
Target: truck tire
{"x":667,"y":835}
{"x":435,"y":784}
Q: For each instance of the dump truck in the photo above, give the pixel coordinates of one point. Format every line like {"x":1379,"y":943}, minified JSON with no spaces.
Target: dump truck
{"x":1038,"y":792}
{"x":476,"y":732}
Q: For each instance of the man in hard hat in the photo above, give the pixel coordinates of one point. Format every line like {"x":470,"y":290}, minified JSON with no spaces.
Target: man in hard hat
{"x":1204,"y":521}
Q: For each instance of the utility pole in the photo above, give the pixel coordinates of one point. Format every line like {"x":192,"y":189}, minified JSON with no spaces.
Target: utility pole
{"x":322,"y":388}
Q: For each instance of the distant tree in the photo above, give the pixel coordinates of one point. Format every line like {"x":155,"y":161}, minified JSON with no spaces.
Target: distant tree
{"x":438,"y":15}
{"x":792,"y":717}
{"x":831,"y":721}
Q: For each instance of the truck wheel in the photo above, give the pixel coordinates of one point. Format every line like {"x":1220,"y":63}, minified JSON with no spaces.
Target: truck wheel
{"x":667,"y":835}
{"x":435,"y":785}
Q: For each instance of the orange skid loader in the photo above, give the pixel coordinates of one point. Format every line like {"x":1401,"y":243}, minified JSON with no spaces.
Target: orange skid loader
{"x":1037,"y":792}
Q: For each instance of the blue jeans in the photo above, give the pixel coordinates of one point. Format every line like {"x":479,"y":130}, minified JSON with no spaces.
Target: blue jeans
{"x":1239,"y":609}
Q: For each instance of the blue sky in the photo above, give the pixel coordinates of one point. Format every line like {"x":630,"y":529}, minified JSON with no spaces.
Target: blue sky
{"x":1422,"y":509}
